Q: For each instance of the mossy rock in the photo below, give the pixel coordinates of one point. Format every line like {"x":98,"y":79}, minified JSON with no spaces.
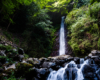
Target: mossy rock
{"x":22,"y":69}
{"x":9,"y":71}
{"x":2,"y":75}
{"x":30,"y":62}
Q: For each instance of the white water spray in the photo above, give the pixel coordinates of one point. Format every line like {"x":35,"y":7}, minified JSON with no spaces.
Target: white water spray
{"x":62,"y":38}
{"x":59,"y":75}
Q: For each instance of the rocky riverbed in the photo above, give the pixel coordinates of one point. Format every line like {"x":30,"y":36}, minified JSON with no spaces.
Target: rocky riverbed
{"x":13,"y":62}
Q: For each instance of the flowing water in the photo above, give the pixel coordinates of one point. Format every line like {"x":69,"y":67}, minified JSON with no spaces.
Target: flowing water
{"x":70,"y":71}
{"x":62,"y":38}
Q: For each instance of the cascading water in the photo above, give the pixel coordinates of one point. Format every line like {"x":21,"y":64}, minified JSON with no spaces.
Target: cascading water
{"x":62,"y":38}
{"x":69,"y":72}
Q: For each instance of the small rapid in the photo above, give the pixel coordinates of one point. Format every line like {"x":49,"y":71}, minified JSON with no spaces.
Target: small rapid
{"x":69,"y":72}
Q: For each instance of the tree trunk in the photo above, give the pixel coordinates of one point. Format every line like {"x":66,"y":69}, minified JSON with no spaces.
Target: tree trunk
{"x":10,"y":22}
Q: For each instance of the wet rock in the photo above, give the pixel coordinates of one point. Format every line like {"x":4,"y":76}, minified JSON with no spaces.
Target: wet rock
{"x":70,"y":59}
{"x":98,"y":74}
{"x":21,"y":51}
{"x":60,"y":62}
{"x":57,"y":67}
{"x":95,"y":53}
{"x":90,"y":61}
{"x":70,"y":74}
{"x":88,"y":71}
{"x":94,"y":57}
{"x":42,"y":73}
{"x":49,"y":65}
{"x":77,"y":60}
{"x":97,"y":61}
{"x":50,"y":70}
{"x":90,"y":54}
{"x":87,"y":57}
{"x":95,"y":66}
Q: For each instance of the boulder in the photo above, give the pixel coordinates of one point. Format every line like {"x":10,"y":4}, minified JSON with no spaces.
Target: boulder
{"x":10,"y":67}
{"x":70,"y":59}
{"x":21,"y":51}
{"x":98,"y":74}
{"x":97,"y":61}
{"x":77,"y":60}
{"x":49,"y":65}
{"x":95,"y":53}
{"x":22,"y":69}
{"x":90,"y":61}
{"x":90,"y":54}
{"x":88,"y":72}
{"x":36,"y":62}
{"x":70,"y":74}
{"x":42,"y":73}
{"x":18,"y":57}
{"x":21,"y":57}
{"x":60,"y":62}
{"x":61,"y":57}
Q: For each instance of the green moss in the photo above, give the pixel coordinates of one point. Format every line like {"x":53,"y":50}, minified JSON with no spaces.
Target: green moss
{"x":3,"y":47}
{"x":22,"y":69}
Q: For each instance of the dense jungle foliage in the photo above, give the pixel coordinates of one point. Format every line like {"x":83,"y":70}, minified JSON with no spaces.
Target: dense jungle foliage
{"x":32,"y":24}
{"x":84,"y":28}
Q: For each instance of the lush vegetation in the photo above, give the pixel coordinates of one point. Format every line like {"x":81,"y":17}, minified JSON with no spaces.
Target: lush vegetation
{"x":84,"y":28}
{"x":31,"y":24}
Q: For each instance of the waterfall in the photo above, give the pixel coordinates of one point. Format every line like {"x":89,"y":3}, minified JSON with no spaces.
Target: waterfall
{"x":62,"y":38}
{"x":69,"y":72}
